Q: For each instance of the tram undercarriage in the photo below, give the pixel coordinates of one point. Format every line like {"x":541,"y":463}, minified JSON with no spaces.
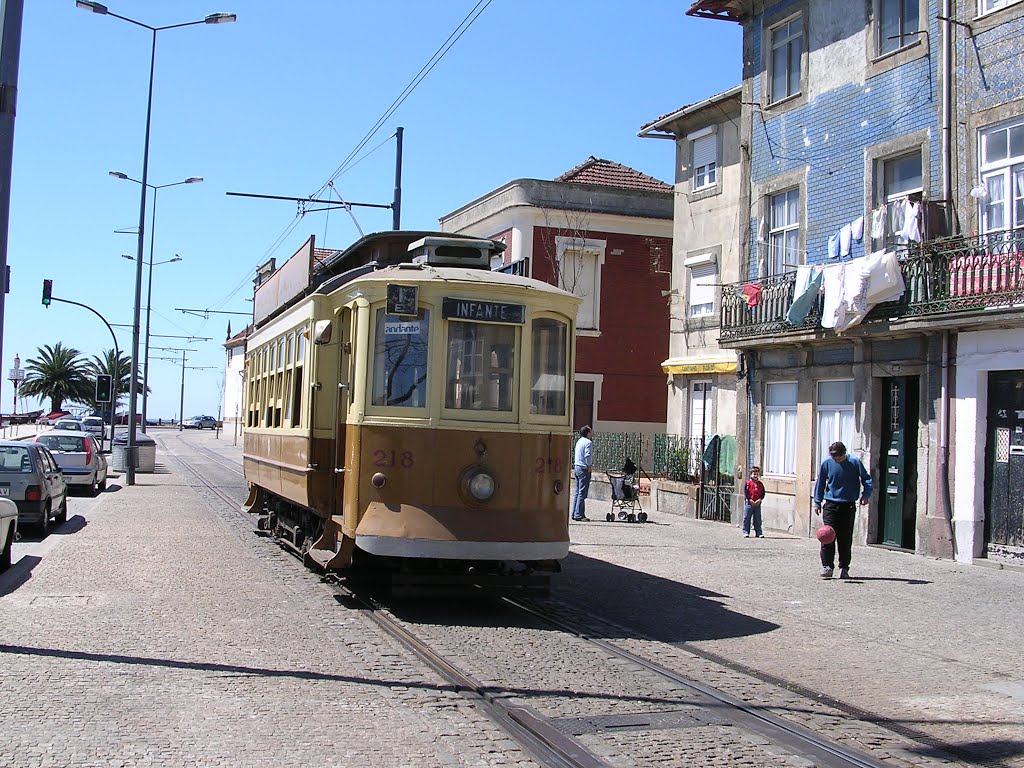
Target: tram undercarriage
{"x":298,"y":529}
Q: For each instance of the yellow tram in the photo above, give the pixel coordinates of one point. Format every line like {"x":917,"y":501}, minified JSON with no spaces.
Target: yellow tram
{"x":408,"y":413}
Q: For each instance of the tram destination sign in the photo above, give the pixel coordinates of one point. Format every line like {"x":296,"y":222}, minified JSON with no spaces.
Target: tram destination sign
{"x":485,"y":311}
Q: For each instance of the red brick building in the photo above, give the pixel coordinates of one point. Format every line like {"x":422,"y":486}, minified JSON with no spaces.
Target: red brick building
{"x":603,"y":231}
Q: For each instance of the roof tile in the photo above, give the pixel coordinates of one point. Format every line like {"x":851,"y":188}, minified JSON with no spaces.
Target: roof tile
{"x":608,"y":174}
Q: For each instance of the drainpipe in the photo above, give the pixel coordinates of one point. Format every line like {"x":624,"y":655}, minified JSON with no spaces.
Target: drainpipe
{"x":943,"y":540}
{"x":944,"y":543}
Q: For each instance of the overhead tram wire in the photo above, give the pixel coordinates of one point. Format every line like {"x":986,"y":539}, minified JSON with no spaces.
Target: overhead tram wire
{"x":425,"y":70}
{"x":348,"y":163}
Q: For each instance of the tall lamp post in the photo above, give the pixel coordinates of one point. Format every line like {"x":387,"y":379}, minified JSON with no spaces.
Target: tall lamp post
{"x":213,"y":18}
{"x":149,"y":295}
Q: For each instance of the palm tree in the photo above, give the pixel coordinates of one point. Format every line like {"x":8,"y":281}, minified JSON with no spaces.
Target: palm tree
{"x":119,"y":371}
{"x":59,"y":373}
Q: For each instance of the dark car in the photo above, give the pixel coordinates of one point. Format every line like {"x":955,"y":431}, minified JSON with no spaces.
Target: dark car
{"x":30,"y":477}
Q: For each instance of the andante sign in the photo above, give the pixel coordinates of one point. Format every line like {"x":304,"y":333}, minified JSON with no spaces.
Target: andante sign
{"x":484,"y":311}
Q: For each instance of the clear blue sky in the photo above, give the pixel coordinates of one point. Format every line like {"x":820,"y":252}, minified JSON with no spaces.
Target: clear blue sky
{"x":273,"y":104}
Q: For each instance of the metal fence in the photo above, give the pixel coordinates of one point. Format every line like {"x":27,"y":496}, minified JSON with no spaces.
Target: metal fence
{"x":673,"y":457}
{"x":708,"y":461}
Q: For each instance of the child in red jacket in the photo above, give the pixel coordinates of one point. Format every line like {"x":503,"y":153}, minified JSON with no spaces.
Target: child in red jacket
{"x":753,"y":492}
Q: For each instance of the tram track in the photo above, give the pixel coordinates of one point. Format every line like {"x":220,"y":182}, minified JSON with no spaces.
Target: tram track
{"x":540,"y":736}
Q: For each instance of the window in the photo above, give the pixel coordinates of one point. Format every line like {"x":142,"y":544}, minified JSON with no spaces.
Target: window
{"x":835,"y":415}
{"x":898,"y":24}
{"x":550,"y":359}
{"x":784,"y":232}
{"x":701,"y":424}
{"x":400,"y":360}
{"x":1002,"y":172}
{"x":787,"y":48}
{"x":701,"y":293}
{"x":901,"y":178}
{"x":780,"y":430}
{"x":579,"y":266}
{"x":987,"y":6}
{"x":481,"y":366}
{"x":705,"y":162}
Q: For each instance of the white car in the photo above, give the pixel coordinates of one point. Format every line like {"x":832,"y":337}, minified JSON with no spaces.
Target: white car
{"x":79,"y":457}
{"x":8,"y":531}
{"x":69,"y":425}
{"x":94,"y":425}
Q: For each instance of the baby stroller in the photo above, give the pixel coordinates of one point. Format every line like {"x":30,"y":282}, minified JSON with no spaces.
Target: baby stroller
{"x":625,"y":487}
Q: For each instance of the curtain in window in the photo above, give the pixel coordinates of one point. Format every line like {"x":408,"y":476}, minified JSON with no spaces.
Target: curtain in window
{"x":780,"y":442}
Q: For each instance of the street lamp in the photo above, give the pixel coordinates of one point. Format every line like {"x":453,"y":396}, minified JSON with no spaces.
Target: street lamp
{"x":149,"y":297}
{"x":214,"y":18}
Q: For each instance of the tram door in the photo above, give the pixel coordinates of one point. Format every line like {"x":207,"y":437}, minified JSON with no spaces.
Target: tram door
{"x":1004,"y":461}
{"x":345,"y":373}
{"x":897,"y":483}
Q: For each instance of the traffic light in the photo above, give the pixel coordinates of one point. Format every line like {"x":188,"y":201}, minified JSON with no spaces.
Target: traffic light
{"x":47,"y":291}
{"x":103,"y":387}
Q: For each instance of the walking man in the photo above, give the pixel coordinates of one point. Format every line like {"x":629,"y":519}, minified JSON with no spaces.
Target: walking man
{"x":842,"y":480}
{"x":582,"y":468}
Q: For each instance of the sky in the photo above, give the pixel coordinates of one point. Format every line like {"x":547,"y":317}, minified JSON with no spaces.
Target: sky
{"x":274,"y":104}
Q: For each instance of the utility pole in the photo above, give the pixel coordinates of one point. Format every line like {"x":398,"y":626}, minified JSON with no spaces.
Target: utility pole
{"x":10,"y":54}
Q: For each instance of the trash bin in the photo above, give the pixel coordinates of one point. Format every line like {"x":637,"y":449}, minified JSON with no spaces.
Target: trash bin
{"x":145,"y":453}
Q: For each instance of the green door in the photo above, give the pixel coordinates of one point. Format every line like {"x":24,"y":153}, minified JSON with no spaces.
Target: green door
{"x":897,"y":481}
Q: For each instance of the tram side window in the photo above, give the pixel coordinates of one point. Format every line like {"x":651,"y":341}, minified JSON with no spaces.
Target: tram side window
{"x":481,"y":366}
{"x":297,"y":388}
{"x":400,"y":360}
{"x":547,"y":392}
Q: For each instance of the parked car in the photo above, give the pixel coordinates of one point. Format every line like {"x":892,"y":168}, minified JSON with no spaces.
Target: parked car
{"x":69,"y":425}
{"x":79,"y":457}
{"x":8,"y":531}
{"x":200,"y":422}
{"x":30,"y":477}
{"x":94,"y":425}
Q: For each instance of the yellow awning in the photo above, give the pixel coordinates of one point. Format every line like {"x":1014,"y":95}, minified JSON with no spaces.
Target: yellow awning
{"x":725,"y":363}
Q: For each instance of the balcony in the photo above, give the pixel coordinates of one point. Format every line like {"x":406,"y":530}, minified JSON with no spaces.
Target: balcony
{"x":946,"y":277}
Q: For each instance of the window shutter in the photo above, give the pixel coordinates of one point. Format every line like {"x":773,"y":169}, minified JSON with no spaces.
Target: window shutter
{"x":702,"y":284}
{"x":705,"y":150}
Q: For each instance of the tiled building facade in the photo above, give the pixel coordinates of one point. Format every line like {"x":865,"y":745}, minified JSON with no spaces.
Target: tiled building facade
{"x":849,"y":107}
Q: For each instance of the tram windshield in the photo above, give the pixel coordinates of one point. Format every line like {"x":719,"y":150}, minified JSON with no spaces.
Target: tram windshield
{"x":400,"y":359}
{"x":547,"y":391}
{"x":481,"y":366}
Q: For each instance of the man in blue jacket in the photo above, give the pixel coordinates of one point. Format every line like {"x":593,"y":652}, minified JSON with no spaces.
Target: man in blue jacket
{"x":842,"y":481}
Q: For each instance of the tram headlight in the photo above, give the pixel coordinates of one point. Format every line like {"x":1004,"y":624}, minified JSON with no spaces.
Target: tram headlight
{"x":478,"y":484}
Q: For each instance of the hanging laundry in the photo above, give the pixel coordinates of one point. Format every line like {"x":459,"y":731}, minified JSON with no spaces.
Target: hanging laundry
{"x":878,"y":222}
{"x":752,"y":294}
{"x":845,"y":238}
{"x":897,"y":215}
{"x":857,"y":228}
{"x":805,"y":292}
{"x":874,"y":279}
{"x":832,"y":307}
{"x":910,"y":229}
{"x":833,"y":246}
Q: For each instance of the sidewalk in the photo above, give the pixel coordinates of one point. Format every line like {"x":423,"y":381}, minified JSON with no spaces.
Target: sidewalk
{"x":934,"y":645}
{"x":162,"y":633}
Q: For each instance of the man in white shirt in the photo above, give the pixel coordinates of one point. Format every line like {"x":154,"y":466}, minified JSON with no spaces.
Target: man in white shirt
{"x":583,"y":465}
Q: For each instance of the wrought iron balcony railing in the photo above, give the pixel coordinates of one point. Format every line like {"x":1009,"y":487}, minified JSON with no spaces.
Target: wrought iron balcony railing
{"x":951,"y":275}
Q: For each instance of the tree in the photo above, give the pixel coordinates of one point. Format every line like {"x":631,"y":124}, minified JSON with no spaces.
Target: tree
{"x":58,"y":373}
{"x":119,"y":371}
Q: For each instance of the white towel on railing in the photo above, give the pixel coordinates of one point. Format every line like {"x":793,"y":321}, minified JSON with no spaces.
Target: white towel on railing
{"x":868,"y":281}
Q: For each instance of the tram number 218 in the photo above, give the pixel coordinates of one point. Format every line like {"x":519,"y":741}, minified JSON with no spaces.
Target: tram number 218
{"x":403,"y":459}
{"x":547,"y":465}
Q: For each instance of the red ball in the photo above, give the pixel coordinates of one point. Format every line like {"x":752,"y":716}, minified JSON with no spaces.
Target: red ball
{"x":826,"y":534}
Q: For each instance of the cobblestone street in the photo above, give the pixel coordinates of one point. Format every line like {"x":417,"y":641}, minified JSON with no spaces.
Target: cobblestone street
{"x":156,"y":629}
